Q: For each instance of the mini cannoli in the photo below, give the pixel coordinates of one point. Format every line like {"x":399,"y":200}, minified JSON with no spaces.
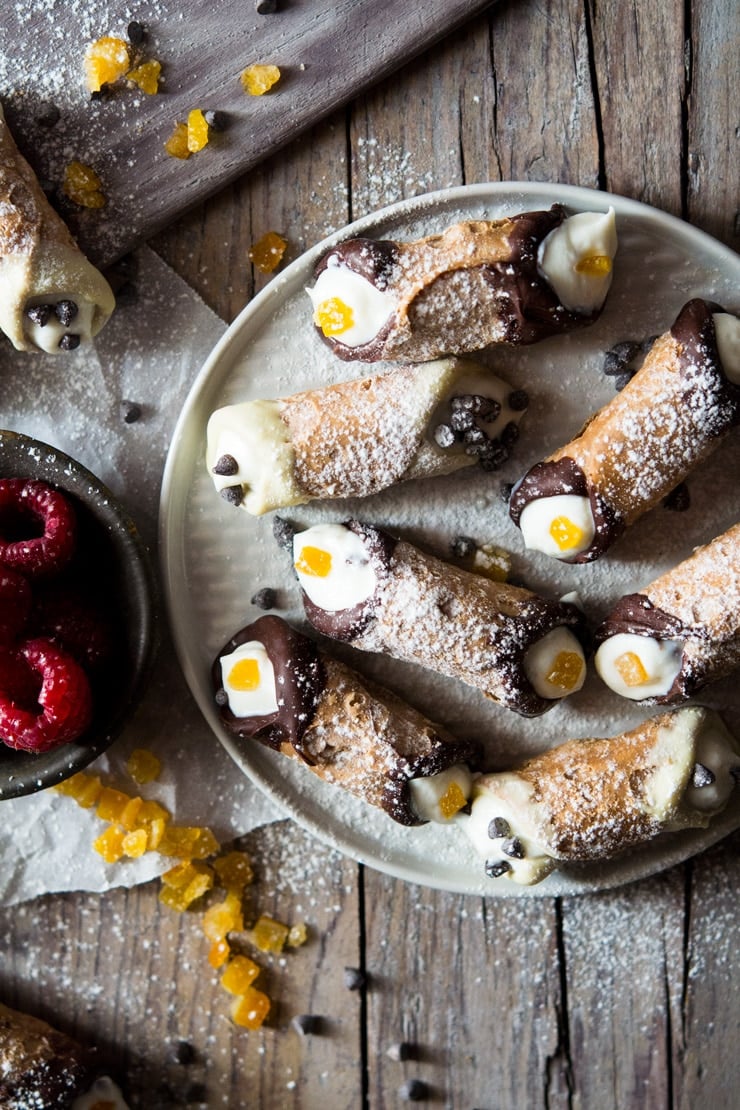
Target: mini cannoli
{"x":365,"y":587}
{"x":595,"y":799}
{"x":673,"y":413}
{"x":515,"y":280}
{"x":51,"y":298}
{"x":358,"y":437}
{"x":274,"y":685}
{"x":681,"y":632}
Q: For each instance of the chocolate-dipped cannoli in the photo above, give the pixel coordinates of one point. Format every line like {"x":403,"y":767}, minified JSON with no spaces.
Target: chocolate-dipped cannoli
{"x":358,"y":437}
{"x":641,"y":445}
{"x":365,"y":587}
{"x":681,"y":632}
{"x":515,"y":280}
{"x":51,"y":298}
{"x":274,"y":685}
{"x":594,"y":799}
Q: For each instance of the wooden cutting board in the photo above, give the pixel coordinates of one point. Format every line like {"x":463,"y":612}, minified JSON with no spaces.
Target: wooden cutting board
{"x":327,"y":52}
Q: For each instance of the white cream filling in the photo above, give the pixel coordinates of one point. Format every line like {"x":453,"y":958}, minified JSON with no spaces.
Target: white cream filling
{"x":535,"y":863}
{"x":539,"y":525}
{"x":428,"y":792}
{"x":367,"y":308}
{"x":659,"y":659}
{"x":103,"y":1095}
{"x":727,"y":334}
{"x":260,"y":700}
{"x":541,"y":660}
{"x":346,"y":577}
{"x":253,"y":434}
{"x":715,"y":753}
{"x":47,"y":336}
{"x":564,"y":259}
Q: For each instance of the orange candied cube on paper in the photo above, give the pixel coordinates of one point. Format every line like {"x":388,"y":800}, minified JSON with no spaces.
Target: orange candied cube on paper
{"x":143,"y":766}
{"x":270,"y":935}
{"x":111,"y":803}
{"x":134,"y":843}
{"x":250,"y":1009}
{"x":239,"y":975}
{"x":84,"y":788}
{"x":106,"y":59}
{"x":110,"y":844}
{"x":188,"y":842}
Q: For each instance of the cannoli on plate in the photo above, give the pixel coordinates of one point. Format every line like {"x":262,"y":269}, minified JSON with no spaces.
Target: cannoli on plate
{"x":358,"y":437}
{"x":595,"y":799}
{"x":381,"y":594}
{"x":275,"y":685}
{"x":673,"y":413}
{"x":681,"y":632}
{"x":51,"y":297}
{"x":515,"y":280}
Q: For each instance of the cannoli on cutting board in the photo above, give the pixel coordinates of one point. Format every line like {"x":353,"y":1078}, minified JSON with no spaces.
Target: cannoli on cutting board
{"x":365,"y":587}
{"x":51,"y":298}
{"x":669,"y":418}
{"x":595,"y":799}
{"x":358,"y":437}
{"x":515,"y":280}
{"x":274,"y":685}
{"x":666,"y":642}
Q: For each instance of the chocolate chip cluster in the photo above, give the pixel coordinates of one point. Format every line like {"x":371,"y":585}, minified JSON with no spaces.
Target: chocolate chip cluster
{"x":65,"y":312}
{"x":468,"y":412}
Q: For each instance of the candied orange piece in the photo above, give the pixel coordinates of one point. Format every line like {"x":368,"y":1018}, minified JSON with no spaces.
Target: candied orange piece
{"x":106,"y":59}
{"x":130,"y":813}
{"x":259,"y":79}
{"x":297,"y":935}
{"x":84,"y":788}
{"x":146,"y":76}
{"x":594,"y":265}
{"x":270,"y":935}
{"x":197,"y":130}
{"x":143,"y":766}
{"x":250,"y":1009}
{"x":314,"y":561}
{"x":223,"y":917}
{"x":630,"y":668}
{"x":245,"y":675}
{"x":177,"y":144}
{"x":83,"y":186}
{"x":110,"y":844}
{"x":267,"y":253}
{"x":451,"y":801}
{"x":234,"y":871}
{"x":492,"y":562}
{"x":333,"y":316}
{"x":155,"y":831}
{"x":566,"y":670}
{"x":173,"y":899}
{"x":239,"y":975}
{"x":112,"y":803}
{"x":565,"y":533}
{"x":180,"y":875}
{"x":186,"y":842}
{"x":218,"y":953}
{"x":135,"y":843}
{"x":152,"y":811}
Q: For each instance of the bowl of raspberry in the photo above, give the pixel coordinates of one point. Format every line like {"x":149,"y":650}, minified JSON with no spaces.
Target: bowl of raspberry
{"x":77,"y":616}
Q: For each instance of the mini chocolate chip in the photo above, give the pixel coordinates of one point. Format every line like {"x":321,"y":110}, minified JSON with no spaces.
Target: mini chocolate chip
{"x":495,"y":868}
{"x":184,"y":1053}
{"x":623,"y":379}
{"x":305,"y":1024}
{"x":283,"y":532}
{"x":221,"y":697}
{"x":226,"y":466}
{"x":618,"y":357}
{"x":130,"y":412}
{"x":136,"y":32}
{"x":39,"y":313}
{"x":475,"y":437}
{"x":462,"y":547}
{"x":233,"y":494}
{"x":498,"y":827}
{"x":413,"y":1090}
{"x":505,"y":491}
{"x":513,"y":848}
{"x":48,"y":115}
{"x":510,"y":434}
{"x":494,"y":456}
{"x":462,"y":402}
{"x":518,"y":400}
{"x":354,"y":978}
{"x":216,"y":120}
{"x":69,"y":342}
{"x":265,"y":598}
{"x":266,"y":7}
{"x":679,"y":499}
{"x":400,"y":1051}
{"x":444,"y":435}
{"x":461,"y":420}
{"x":65,"y":312}
{"x":702,"y":776}
{"x":486,"y":408}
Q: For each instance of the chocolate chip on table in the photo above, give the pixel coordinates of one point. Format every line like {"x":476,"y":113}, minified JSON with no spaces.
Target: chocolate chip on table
{"x":283,"y":532}
{"x":65,"y":312}
{"x":354,"y":978}
{"x":498,"y":827}
{"x":136,"y":32}
{"x":266,"y":7}
{"x":265,"y":598}
{"x":130,"y":412}
{"x":69,"y":342}
{"x":618,"y":357}
{"x":702,"y":776}
{"x":444,"y":435}
{"x":306,"y":1024}
{"x":519,"y":400}
{"x":494,"y":455}
{"x":510,"y":434}
{"x":413,"y":1090}
{"x":462,"y":547}
{"x":233,"y":494}
{"x":184,"y":1053}
{"x":40,"y":314}
{"x":495,"y":868}
{"x":679,"y":499}
{"x":226,"y":466}
{"x":505,"y":491}
{"x":216,"y":120}
{"x":400,"y":1051}
{"x":623,"y":379}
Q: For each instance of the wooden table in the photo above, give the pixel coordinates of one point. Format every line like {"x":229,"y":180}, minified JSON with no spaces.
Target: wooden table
{"x":621,"y":999}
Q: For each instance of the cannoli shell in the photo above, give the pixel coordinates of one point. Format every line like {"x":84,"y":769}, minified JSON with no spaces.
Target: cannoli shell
{"x":39,"y":1065}
{"x":697,"y":602}
{"x":348,"y":730}
{"x":38,"y":256}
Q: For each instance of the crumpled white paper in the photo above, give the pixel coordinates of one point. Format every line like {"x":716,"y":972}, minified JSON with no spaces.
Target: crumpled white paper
{"x":149,"y":353}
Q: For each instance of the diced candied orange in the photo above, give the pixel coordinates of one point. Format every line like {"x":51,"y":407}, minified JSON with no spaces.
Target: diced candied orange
{"x":186,"y":842}
{"x":143,"y":766}
{"x":110,"y":844}
{"x":594,"y":265}
{"x":174,"y":899}
{"x":270,"y":935}
{"x":106,"y":59}
{"x":259,"y":79}
{"x":630,"y":668}
{"x":565,"y":533}
{"x":223,"y":918}
{"x":135,"y":843}
{"x":267,"y":253}
{"x":84,"y":788}
{"x":83,"y":186}
{"x":333,"y":316}
{"x":146,"y":76}
{"x":152,"y":811}
{"x":197,"y":130}
{"x":219,"y":953}
{"x":112,"y":803}
{"x":297,"y":935}
{"x":314,"y":561}
{"x":234,"y":871}
{"x":180,"y":875}
{"x":452,"y":801}
{"x":492,"y":562}
{"x":244,"y":675}
{"x":130,"y":814}
{"x":177,"y":144}
{"x":250,"y":1009}
{"x":239,"y":975}
{"x":155,"y":831}
{"x":566,"y":670}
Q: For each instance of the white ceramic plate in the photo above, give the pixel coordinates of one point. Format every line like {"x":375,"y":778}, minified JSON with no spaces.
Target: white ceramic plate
{"x":214,"y":557}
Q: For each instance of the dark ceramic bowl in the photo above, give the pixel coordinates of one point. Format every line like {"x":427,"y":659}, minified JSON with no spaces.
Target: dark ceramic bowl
{"x":112,"y":557}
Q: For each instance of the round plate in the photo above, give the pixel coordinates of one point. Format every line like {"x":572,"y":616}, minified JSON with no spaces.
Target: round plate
{"x":118,"y":560}
{"x":214,"y":557}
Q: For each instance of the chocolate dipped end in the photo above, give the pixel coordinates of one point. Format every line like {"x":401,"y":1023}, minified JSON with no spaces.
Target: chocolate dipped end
{"x":553,"y":478}
{"x":694,"y":331}
{"x":299,"y":680}
{"x":373,"y":260}
{"x":346,"y":625}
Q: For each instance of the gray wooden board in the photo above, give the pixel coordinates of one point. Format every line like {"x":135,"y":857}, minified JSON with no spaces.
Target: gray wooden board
{"x":327,"y":51}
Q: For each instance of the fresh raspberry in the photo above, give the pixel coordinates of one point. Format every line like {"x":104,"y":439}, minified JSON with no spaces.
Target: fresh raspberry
{"x":74,"y":621}
{"x":64,"y":701}
{"x":15,"y":604}
{"x":37,"y":527}
{"x":17,"y":680}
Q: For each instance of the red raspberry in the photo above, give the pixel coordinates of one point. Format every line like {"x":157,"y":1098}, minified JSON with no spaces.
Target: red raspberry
{"x":37,"y":527}
{"x":15,"y":604}
{"x":64,"y":701}
{"x":79,"y":625}
{"x":17,"y":680}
